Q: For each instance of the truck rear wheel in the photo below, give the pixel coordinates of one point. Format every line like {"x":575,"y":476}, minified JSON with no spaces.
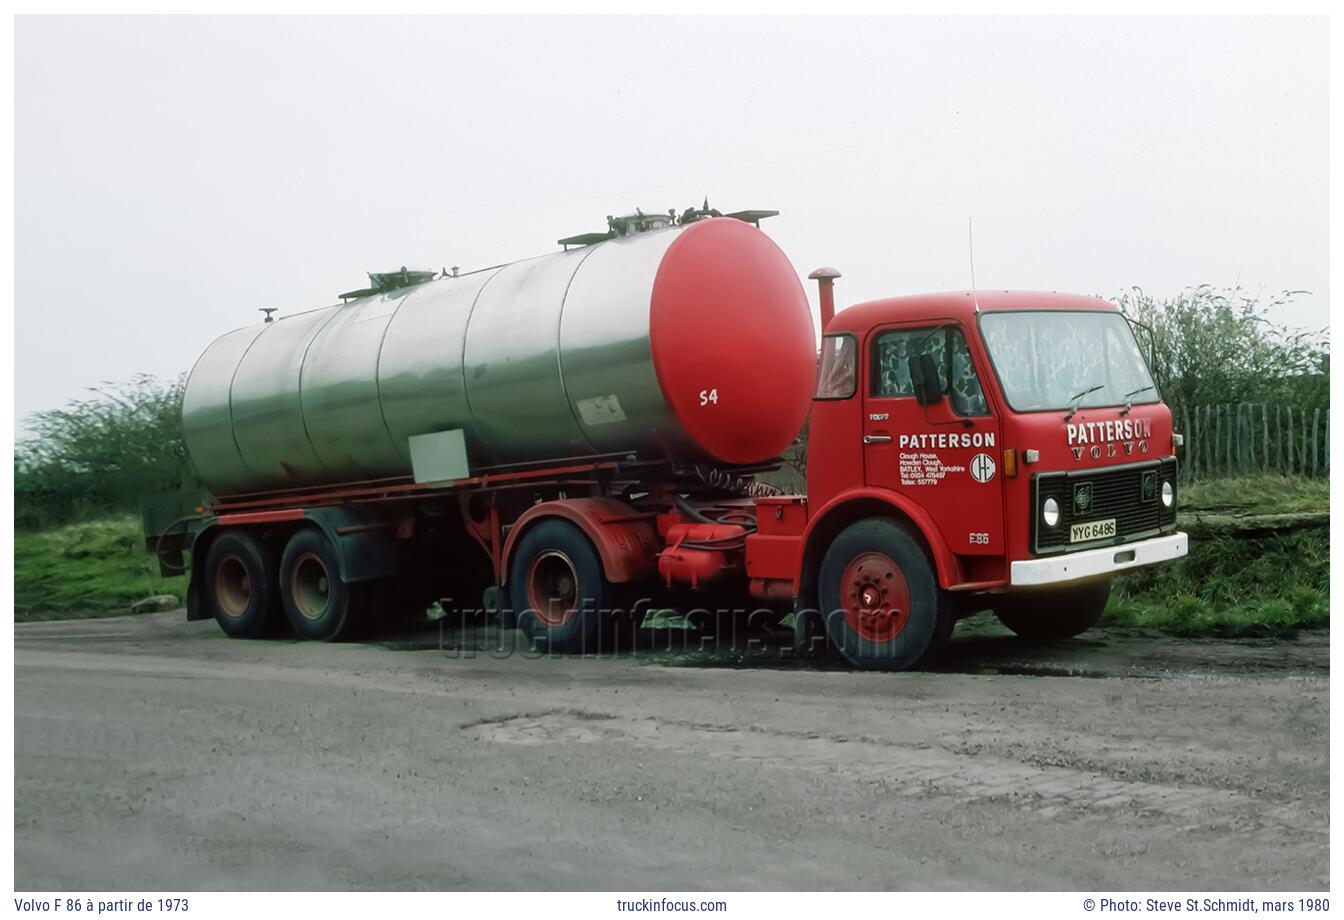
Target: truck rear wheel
{"x":558,"y":589}
{"x":1054,"y":613}
{"x":880,"y":598}
{"x":240,"y":585}
{"x":318,"y":604}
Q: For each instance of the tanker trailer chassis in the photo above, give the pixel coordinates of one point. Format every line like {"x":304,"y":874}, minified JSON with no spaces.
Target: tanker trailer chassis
{"x":573,"y":552}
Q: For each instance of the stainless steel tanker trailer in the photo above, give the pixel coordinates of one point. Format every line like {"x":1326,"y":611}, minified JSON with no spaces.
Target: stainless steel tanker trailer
{"x":602,"y":348}
{"x":569,"y":439}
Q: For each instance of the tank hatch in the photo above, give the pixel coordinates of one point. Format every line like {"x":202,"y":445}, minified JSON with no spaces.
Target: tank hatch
{"x":382,"y":282}
{"x":639,"y":222}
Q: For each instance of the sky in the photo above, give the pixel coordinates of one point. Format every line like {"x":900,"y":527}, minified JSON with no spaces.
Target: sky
{"x":173,"y":175}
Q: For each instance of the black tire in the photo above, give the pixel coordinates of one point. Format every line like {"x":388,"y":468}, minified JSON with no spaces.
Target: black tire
{"x":1054,"y":613}
{"x":873,"y":558}
{"x":318,"y":604}
{"x":559,"y":592}
{"x":241,"y":585}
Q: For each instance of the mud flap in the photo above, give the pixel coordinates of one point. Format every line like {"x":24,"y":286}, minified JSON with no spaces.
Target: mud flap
{"x":196,"y":607}
{"x":363,"y":540}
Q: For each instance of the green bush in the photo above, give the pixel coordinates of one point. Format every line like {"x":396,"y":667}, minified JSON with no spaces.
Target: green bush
{"x":101,"y":454}
{"x":1215,"y":347}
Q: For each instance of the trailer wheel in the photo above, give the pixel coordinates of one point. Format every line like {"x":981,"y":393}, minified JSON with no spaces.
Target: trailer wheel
{"x":1054,"y":613}
{"x":240,"y":581}
{"x":318,"y":604}
{"x":880,"y":597}
{"x":558,"y":590}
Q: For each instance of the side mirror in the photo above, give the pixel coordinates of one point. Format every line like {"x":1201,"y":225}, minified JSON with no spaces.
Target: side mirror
{"x":924,"y":378}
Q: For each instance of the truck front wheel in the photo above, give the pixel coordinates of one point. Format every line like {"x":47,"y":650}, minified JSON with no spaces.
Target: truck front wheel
{"x":880,"y":598}
{"x":240,"y":585}
{"x":1054,"y":613}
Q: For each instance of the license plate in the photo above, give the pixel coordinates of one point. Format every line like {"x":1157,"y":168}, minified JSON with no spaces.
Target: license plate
{"x":1092,"y":530}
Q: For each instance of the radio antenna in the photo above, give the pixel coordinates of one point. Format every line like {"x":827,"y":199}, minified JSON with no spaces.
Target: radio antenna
{"x":970,"y":241}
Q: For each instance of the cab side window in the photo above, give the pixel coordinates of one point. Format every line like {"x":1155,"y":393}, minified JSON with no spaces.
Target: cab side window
{"x":952,"y":359}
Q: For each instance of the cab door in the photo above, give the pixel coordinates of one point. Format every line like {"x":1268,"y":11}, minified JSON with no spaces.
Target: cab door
{"x":947,"y":456}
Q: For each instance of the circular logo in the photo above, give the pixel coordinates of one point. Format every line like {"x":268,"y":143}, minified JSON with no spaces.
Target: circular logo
{"x":982,"y":467}
{"x":1082,"y":497}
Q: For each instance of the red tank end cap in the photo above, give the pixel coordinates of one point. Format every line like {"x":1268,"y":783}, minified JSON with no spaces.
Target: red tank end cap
{"x":732,"y":341}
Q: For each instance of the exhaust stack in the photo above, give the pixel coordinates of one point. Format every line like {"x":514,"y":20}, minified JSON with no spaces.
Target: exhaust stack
{"x":825,"y":278}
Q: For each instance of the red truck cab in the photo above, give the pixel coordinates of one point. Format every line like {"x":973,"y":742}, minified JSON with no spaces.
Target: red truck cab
{"x":1003,"y":450}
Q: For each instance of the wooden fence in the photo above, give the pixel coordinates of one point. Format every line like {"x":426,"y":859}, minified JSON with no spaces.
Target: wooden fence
{"x":1237,"y":440}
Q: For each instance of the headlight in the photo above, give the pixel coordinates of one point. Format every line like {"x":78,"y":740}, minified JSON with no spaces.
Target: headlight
{"x":1050,"y":512}
{"x":1168,"y":494}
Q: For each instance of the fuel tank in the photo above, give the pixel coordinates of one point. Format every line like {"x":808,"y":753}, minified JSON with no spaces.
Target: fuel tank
{"x":693,"y":342}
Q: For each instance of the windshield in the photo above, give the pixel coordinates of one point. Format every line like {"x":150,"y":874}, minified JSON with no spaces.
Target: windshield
{"x":1055,"y":359}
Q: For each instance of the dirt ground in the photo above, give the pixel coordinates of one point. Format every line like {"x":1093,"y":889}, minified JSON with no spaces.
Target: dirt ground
{"x":154,"y":754}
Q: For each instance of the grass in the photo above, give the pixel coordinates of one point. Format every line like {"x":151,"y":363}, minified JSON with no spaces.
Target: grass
{"x":1257,"y":495}
{"x":1232,"y":586}
{"x":98,"y":568}
{"x":1238,"y":584}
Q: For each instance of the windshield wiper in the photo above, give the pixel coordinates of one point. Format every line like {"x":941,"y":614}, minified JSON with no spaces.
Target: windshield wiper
{"x":1129,"y":397}
{"x":1077,"y":398}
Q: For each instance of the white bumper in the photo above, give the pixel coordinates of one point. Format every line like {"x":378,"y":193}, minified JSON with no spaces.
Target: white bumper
{"x":1093,"y":562}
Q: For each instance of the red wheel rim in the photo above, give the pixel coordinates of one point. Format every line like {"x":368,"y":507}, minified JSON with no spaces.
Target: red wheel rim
{"x":875,"y":597}
{"x":553,"y":588}
{"x":233,"y":586}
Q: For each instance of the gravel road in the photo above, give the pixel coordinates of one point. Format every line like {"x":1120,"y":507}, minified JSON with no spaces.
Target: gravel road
{"x":154,"y":754}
